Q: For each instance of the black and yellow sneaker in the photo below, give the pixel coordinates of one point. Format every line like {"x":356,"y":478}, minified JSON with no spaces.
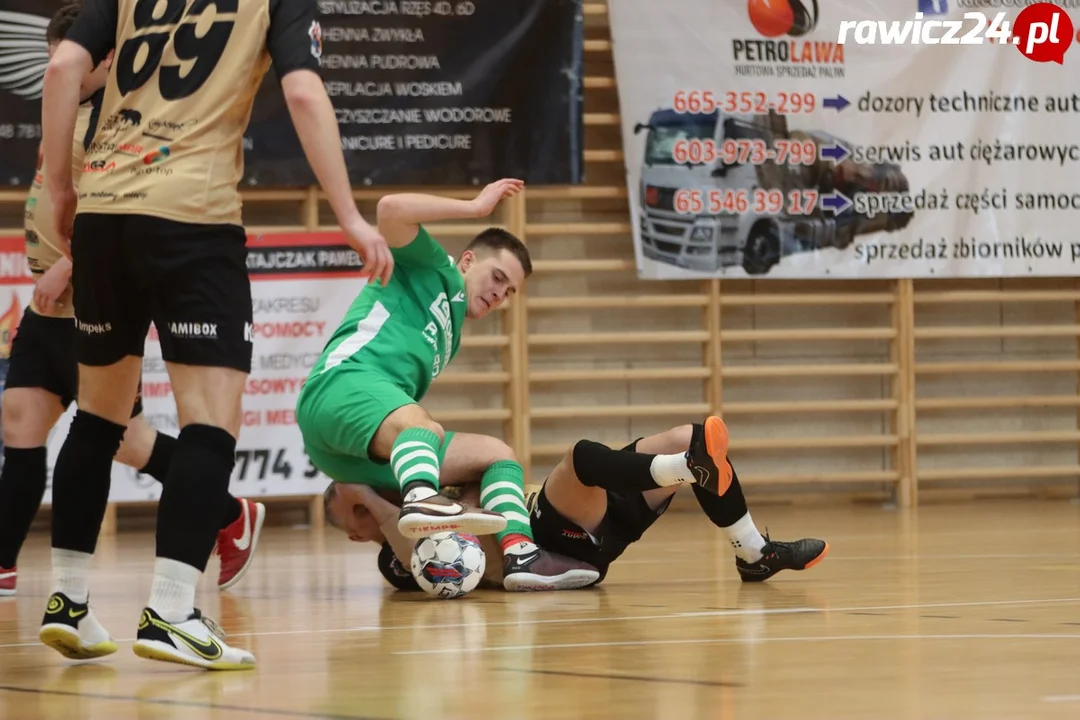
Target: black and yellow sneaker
{"x":778,"y":555}
{"x":197,"y":641}
{"x":71,"y":629}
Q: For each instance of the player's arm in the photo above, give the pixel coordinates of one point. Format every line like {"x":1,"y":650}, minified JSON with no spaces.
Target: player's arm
{"x":295,"y":56}
{"x":60,"y":110}
{"x":386,"y":515}
{"x":401,"y":214}
{"x":89,"y":40}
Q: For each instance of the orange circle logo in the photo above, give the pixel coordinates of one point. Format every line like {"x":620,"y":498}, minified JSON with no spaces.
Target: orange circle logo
{"x":774,"y":18}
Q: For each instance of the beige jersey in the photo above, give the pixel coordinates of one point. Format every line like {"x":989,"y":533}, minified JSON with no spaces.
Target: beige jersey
{"x":42,"y":250}
{"x":169,"y":141}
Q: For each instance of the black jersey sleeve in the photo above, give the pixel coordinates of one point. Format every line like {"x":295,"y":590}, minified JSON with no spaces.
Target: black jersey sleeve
{"x":95,"y":28}
{"x":295,"y":36}
{"x":95,"y":115}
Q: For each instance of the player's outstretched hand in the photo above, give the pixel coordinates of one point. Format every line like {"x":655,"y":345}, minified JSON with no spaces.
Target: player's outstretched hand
{"x":496,"y":192}
{"x":373,"y":250}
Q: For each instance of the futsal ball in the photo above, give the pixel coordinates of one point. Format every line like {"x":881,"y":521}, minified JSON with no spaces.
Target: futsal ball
{"x":448,"y":565}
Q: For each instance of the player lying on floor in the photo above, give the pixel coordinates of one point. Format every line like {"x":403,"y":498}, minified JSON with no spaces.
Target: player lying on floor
{"x":596,"y":503}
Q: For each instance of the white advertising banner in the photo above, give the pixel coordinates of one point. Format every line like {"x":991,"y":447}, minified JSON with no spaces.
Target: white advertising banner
{"x":302,"y":284}
{"x":850,"y":139}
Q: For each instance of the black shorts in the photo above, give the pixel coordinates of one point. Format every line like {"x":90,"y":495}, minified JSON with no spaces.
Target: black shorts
{"x":43,"y":356}
{"x":626,"y":520}
{"x":190,"y":280}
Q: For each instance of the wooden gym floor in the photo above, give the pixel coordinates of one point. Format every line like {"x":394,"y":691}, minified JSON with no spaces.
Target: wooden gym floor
{"x":950,"y":612}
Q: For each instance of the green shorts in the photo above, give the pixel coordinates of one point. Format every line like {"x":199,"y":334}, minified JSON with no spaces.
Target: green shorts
{"x":339,"y":413}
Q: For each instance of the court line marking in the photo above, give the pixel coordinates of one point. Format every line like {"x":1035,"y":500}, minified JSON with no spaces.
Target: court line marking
{"x":739,"y":641}
{"x":879,"y":558}
{"x":721,"y":613}
{"x":1061,"y":698}
{"x":755,"y":612}
{"x":183,"y":703}
{"x":634,"y":678}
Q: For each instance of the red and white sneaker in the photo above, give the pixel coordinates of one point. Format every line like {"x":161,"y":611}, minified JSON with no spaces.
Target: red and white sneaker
{"x":7,"y":581}
{"x":236,"y":543}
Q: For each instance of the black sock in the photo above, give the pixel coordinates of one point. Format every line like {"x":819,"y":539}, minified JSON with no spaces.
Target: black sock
{"x":161,"y":457}
{"x":233,"y":511}
{"x":22,"y":483}
{"x":597,"y":465}
{"x":724,"y":510}
{"x":157,"y":467}
{"x":81,"y":481}
{"x":193,"y":495}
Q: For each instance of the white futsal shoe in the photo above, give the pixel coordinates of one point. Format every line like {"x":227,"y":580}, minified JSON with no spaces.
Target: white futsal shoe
{"x":71,"y":629}
{"x":197,"y":641}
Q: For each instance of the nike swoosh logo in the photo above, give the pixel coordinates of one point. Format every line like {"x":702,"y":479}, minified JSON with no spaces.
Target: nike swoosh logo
{"x":209,"y":650}
{"x":522,"y":561}
{"x":245,"y":540}
{"x":702,"y":475}
{"x":758,"y":570}
{"x":73,"y":614}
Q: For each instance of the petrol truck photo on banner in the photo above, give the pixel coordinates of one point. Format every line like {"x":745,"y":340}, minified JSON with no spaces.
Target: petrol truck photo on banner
{"x":850,"y":139}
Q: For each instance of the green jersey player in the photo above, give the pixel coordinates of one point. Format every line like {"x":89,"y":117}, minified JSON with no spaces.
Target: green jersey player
{"x":359,"y":410}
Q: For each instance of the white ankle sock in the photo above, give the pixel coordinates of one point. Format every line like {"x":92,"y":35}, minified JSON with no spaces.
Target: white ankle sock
{"x":745,"y":539}
{"x":671,"y":470}
{"x":71,"y":573}
{"x":521,"y":548}
{"x":172,"y":595}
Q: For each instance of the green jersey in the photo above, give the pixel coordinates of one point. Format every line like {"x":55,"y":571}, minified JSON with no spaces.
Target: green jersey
{"x":409,"y":330}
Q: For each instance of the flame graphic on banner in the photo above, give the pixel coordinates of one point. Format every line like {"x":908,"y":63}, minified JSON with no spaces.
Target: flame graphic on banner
{"x":9,"y":323}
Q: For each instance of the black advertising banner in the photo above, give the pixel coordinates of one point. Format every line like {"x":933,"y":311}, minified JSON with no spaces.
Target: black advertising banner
{"x":426,"y":92}
{"x":24,"y":55}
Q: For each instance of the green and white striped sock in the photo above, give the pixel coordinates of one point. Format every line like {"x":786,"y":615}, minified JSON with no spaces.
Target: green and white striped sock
{"x":415,"y":459}
{"x":502,"y":490}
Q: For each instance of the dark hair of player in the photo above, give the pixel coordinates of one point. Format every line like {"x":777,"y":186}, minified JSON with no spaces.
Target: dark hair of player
{"x":62,"y":21}
{"x":328,"y":497}
{"x":497,"y":239}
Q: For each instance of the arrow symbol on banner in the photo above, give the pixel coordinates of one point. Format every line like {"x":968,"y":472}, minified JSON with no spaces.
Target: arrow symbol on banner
{"x":837,"y":202}
{"x":837,"y":153}
{"x":839,"y":102}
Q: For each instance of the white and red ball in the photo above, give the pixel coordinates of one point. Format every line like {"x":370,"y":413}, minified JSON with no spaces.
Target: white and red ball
{"x":448,"y":565}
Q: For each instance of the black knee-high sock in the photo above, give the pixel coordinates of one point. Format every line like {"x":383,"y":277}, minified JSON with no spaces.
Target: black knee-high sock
{"x":193,"y":495}
{"x":161,"y":456}
{"x":81,"y":481}
{"x":22,"y":483}
{"x":724,"y":510}
{"x":157,"y":467}
{"x":597,"y":465}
